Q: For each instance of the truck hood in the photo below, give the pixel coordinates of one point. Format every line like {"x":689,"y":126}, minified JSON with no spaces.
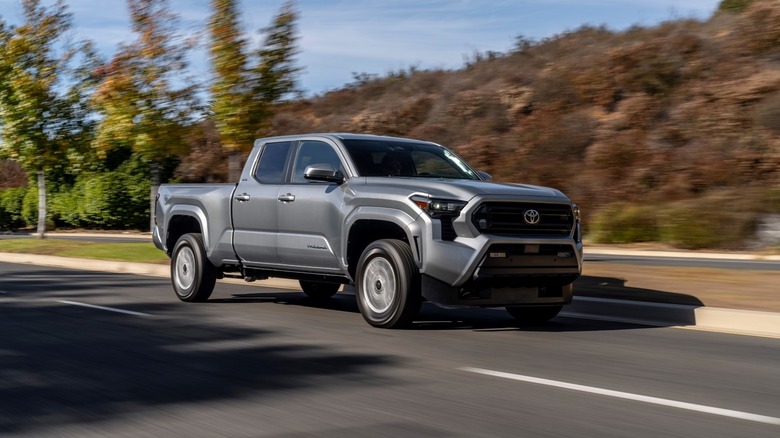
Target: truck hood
{"x":464,"y":190}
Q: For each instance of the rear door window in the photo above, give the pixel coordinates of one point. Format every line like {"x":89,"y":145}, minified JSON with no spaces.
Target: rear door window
{"x":270,"y":169}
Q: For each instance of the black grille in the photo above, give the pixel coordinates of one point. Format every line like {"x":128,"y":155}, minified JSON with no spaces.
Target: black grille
{"x":508,"y":219}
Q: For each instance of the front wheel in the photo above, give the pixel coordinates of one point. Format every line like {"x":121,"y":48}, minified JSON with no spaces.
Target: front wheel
{"x":388,"y":284}
{"x":534,"y":315}
{"x":192,"y":275}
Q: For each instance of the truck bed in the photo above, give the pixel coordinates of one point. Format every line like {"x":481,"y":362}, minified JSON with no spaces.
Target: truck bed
{"x":210,"y":204}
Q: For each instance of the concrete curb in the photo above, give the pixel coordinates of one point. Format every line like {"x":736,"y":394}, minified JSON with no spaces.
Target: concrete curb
{"x":678,"y":254}
{"x":744,"y":322}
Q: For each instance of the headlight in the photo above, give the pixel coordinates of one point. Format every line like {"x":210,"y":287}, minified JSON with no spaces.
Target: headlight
{"x":576,"y":211}
{"x":438,"y":207}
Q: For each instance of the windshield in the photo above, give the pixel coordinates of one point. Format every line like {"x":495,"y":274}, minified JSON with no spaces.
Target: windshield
{"x":400,"y":158}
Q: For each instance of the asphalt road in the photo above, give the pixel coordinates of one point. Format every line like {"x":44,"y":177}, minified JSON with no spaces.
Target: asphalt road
{"x":270,"y":363}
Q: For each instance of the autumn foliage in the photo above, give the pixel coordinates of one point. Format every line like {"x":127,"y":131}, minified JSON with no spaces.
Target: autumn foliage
{"x":667,"y":133}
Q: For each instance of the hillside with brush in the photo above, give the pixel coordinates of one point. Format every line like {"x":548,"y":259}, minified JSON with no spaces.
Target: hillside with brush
{"x":669,"y":133}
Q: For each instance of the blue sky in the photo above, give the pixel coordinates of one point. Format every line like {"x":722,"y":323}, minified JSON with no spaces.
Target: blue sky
{"x":341,"y":37}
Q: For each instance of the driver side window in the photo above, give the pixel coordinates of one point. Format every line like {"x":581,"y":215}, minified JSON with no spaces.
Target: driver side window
{"x":314,"y":152}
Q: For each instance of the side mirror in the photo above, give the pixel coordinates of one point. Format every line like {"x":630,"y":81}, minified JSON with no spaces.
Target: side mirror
{"x":485,"y":176}
{"x":323,"y":172}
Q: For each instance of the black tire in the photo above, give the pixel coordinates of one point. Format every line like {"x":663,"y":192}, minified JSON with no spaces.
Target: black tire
{"x":388,"y":284}
{"x":535,"y":314}
{"x":318,"y":290}
{"x":192,"y":275}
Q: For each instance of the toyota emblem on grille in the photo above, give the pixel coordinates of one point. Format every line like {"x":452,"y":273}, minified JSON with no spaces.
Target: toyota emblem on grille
{"x":531,"y":217}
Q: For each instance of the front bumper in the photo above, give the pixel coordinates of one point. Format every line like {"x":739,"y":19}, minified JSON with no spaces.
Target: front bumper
{"x":491,"y":271}
{"x":476,"y":295}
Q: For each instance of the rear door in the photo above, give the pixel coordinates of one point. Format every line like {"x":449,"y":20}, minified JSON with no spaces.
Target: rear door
{"x":255,"y":206}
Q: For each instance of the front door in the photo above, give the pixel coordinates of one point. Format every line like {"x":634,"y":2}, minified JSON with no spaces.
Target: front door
{"x":310,"y":213}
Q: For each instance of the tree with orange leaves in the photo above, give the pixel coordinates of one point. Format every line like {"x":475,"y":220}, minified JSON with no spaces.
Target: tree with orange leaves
{"x":140,"y":105}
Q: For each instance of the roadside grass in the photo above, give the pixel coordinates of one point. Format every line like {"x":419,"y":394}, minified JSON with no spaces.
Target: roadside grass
{"x":139,"y":252}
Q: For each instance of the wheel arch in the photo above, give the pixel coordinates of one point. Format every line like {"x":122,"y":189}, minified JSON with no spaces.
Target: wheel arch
{"x":185,"y":219}
{"x":368,"y":225}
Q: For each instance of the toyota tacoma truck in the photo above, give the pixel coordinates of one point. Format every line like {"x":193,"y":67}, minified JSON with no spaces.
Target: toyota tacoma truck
{"x":403,"y":221}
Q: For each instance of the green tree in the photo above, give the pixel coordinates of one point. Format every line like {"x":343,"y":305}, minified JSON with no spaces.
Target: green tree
{"x":243,"y":97}
{"x":141,"y":108}
{"x":276,"y":70}
{"x":237,"y":114}
{"x":43,"y":111}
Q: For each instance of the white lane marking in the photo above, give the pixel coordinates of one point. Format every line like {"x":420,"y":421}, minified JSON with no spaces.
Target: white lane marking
{"x":110,"y":309}
{"x":628,"y":396}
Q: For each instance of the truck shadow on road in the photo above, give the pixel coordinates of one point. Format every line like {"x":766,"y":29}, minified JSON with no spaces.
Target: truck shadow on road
{"x":615,"y":288}
{"x":591,"y":311}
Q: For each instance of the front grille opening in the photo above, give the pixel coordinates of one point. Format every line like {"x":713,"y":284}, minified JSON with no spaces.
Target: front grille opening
{"x":447,"y":230}
{"x":524,"y":219}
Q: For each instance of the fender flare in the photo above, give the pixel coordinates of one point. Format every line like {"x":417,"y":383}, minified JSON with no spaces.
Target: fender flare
{"x":403,"y":220}
{"x":191,"y":211}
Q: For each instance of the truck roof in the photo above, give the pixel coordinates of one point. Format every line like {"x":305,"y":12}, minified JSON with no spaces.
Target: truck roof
{"x":340,"y":136}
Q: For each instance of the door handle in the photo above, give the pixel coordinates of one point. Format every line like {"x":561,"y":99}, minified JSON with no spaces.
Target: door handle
{"x":244,"y":197}
{"x":287,"y":198}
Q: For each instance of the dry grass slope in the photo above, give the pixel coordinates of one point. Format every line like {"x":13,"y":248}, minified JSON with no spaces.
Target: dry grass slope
{"x":682,"y":116}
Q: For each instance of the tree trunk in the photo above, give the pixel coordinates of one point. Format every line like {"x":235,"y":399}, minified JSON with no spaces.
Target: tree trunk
{"x":155,"y":187}
{"x":41,"y":204}
{"x":234,"y":165}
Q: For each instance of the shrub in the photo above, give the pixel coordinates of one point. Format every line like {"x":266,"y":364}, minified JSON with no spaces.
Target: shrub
{"x":110,"y":199}
{"x":29,"y":209}
{"x":772,"y":201}
{"x":724,"y":219}
{"x":702,"y":226}
{"x":11,"y":208}
{"x":63,"y":207}
{"x":624,"y":223}
{"x":760,"y":26}
{"x":734,"y":5}
{"x":767,"y":113}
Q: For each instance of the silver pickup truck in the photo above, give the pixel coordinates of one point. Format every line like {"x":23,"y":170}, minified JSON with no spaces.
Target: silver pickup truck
{"x":402,"y":220}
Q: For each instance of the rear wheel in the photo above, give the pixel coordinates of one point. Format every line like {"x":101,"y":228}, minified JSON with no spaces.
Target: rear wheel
{"x":317,"y":290}
{"x":534,"y":315}
{"x":388,"y":284}
{"x":192,"y":275}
